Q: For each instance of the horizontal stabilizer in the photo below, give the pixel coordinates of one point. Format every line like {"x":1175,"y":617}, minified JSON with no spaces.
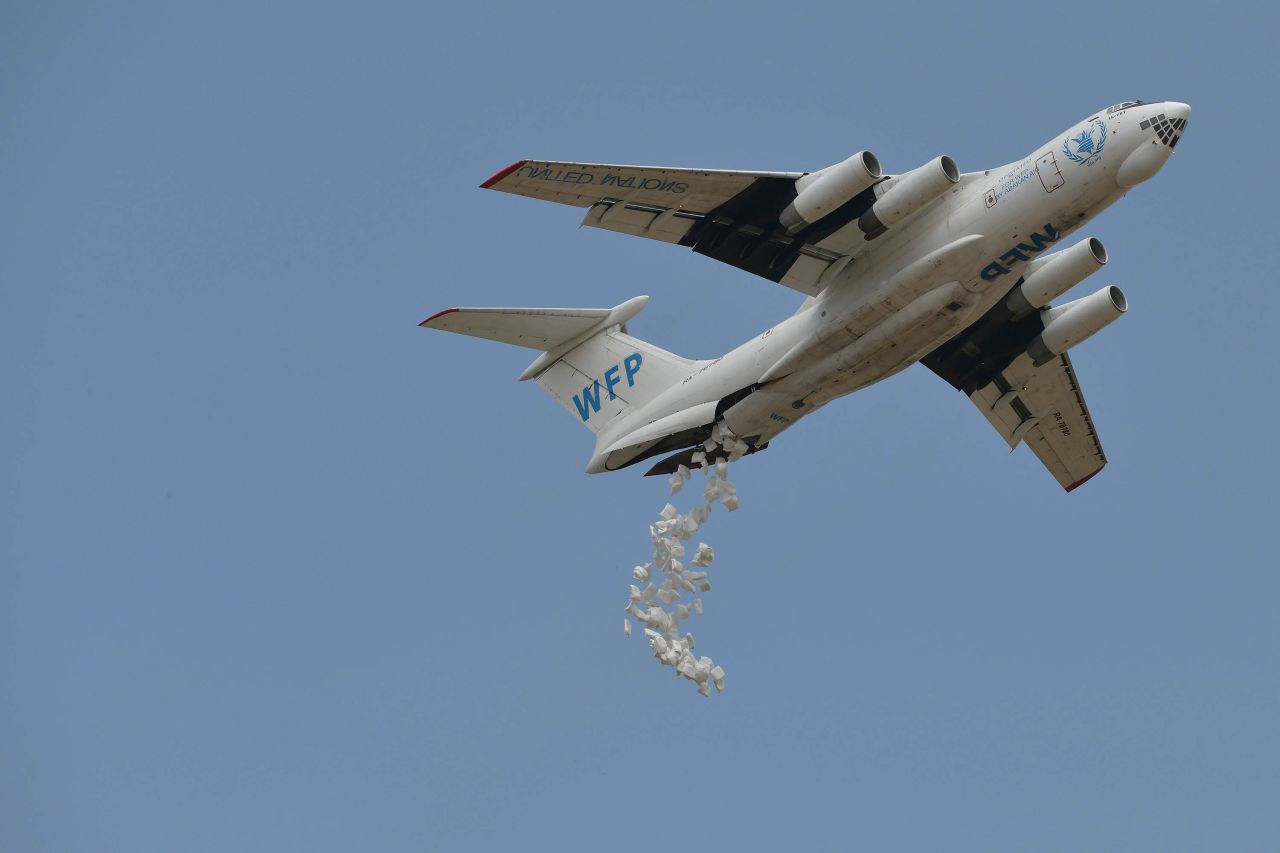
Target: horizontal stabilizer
{"x":536,"y":328}
{"x":588,"y":362}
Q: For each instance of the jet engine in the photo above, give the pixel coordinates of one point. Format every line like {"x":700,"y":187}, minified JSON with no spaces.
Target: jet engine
{"x":1049,"y":277}
{"x":909,"y":193}
{"x":823,"y":191}
{"x":1067,"y":325}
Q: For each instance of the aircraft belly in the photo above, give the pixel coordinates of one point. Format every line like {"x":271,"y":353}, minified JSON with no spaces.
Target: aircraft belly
{"x":873,"y":309}
{"x":896,"y":342}
{"x":914,"y":333}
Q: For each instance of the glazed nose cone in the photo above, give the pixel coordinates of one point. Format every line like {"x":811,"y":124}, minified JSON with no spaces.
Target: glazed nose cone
{"x":1171,"y":122}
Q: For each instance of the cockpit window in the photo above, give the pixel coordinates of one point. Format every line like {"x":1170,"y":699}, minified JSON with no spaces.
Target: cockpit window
{"x":1124,"y":105}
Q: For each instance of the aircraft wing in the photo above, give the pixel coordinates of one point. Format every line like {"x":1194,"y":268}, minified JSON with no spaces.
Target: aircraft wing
{"x":1045,"y":409}
{"x":727,"y":215}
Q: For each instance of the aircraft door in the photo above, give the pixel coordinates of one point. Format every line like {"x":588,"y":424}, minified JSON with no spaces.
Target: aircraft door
{"x":1047,"y":169}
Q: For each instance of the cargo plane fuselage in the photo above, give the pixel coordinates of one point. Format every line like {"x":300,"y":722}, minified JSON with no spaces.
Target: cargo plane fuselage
{"x":957,"y":270}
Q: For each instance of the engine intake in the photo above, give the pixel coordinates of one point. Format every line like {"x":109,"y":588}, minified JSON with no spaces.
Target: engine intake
{"x":1049,"y":277}
{"x":908,"y":194}
{"x":1070,"y":324}
{"x":823,"y":191}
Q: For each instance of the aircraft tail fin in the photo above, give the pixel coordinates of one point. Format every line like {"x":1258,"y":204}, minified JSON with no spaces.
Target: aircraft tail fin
{"x":589,"y":364}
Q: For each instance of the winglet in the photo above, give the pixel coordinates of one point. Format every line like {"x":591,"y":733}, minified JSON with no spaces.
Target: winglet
{"x":1084,"y":480}
{"x":424,"y":323}
{"x":502,"y":174}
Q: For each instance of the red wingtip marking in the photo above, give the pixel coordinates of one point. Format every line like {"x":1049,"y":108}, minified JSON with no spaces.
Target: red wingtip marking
{"x":441,"y":314}
{"x":500,"y":175}
{"x":1084,"y":480}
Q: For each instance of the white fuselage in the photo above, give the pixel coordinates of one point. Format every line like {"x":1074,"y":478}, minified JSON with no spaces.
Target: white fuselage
{"x":917,"y":285}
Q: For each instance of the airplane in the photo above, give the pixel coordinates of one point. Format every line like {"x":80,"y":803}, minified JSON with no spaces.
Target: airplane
{"x":934,"y":266}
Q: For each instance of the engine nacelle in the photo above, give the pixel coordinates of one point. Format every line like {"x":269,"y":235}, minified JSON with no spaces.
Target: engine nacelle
{"x":1068,"y":325}
{"x":1050,"y":276}
{"x":823,"y":191}
{"x":909,"y":193}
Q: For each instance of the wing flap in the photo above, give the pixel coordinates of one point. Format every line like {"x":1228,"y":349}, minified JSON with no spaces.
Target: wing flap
{"x":670,"y":225}
{"x":1045,"y":409}
{"x":805,"y":274}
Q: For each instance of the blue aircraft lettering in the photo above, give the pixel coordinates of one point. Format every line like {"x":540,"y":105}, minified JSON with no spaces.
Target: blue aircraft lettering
{"x":589,"y":400}
{"x":1036,"y":244}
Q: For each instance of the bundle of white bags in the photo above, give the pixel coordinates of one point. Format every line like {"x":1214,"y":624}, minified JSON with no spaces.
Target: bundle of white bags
{"x":658,"y":606}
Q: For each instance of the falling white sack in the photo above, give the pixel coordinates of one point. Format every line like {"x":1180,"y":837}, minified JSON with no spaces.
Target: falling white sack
{"x":661,"y":619}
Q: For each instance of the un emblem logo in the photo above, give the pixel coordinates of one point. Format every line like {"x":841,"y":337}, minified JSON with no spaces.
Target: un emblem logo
{"x":1084,"y":147}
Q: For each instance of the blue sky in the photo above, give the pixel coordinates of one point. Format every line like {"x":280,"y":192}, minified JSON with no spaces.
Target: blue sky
{"x":280,"y":570}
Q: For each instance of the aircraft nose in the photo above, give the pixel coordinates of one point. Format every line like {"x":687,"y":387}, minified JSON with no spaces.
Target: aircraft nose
{"x":1171,"y":122}
{"x":1167,"y":121}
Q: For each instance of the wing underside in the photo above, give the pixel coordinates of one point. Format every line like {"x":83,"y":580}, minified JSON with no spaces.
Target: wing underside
{"x":731,"y":216}
{"x":1042,"y":406}
{"x":1045,"y":409}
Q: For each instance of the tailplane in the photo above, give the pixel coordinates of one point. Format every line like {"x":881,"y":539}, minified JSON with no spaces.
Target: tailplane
{"x":593,"y":368}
